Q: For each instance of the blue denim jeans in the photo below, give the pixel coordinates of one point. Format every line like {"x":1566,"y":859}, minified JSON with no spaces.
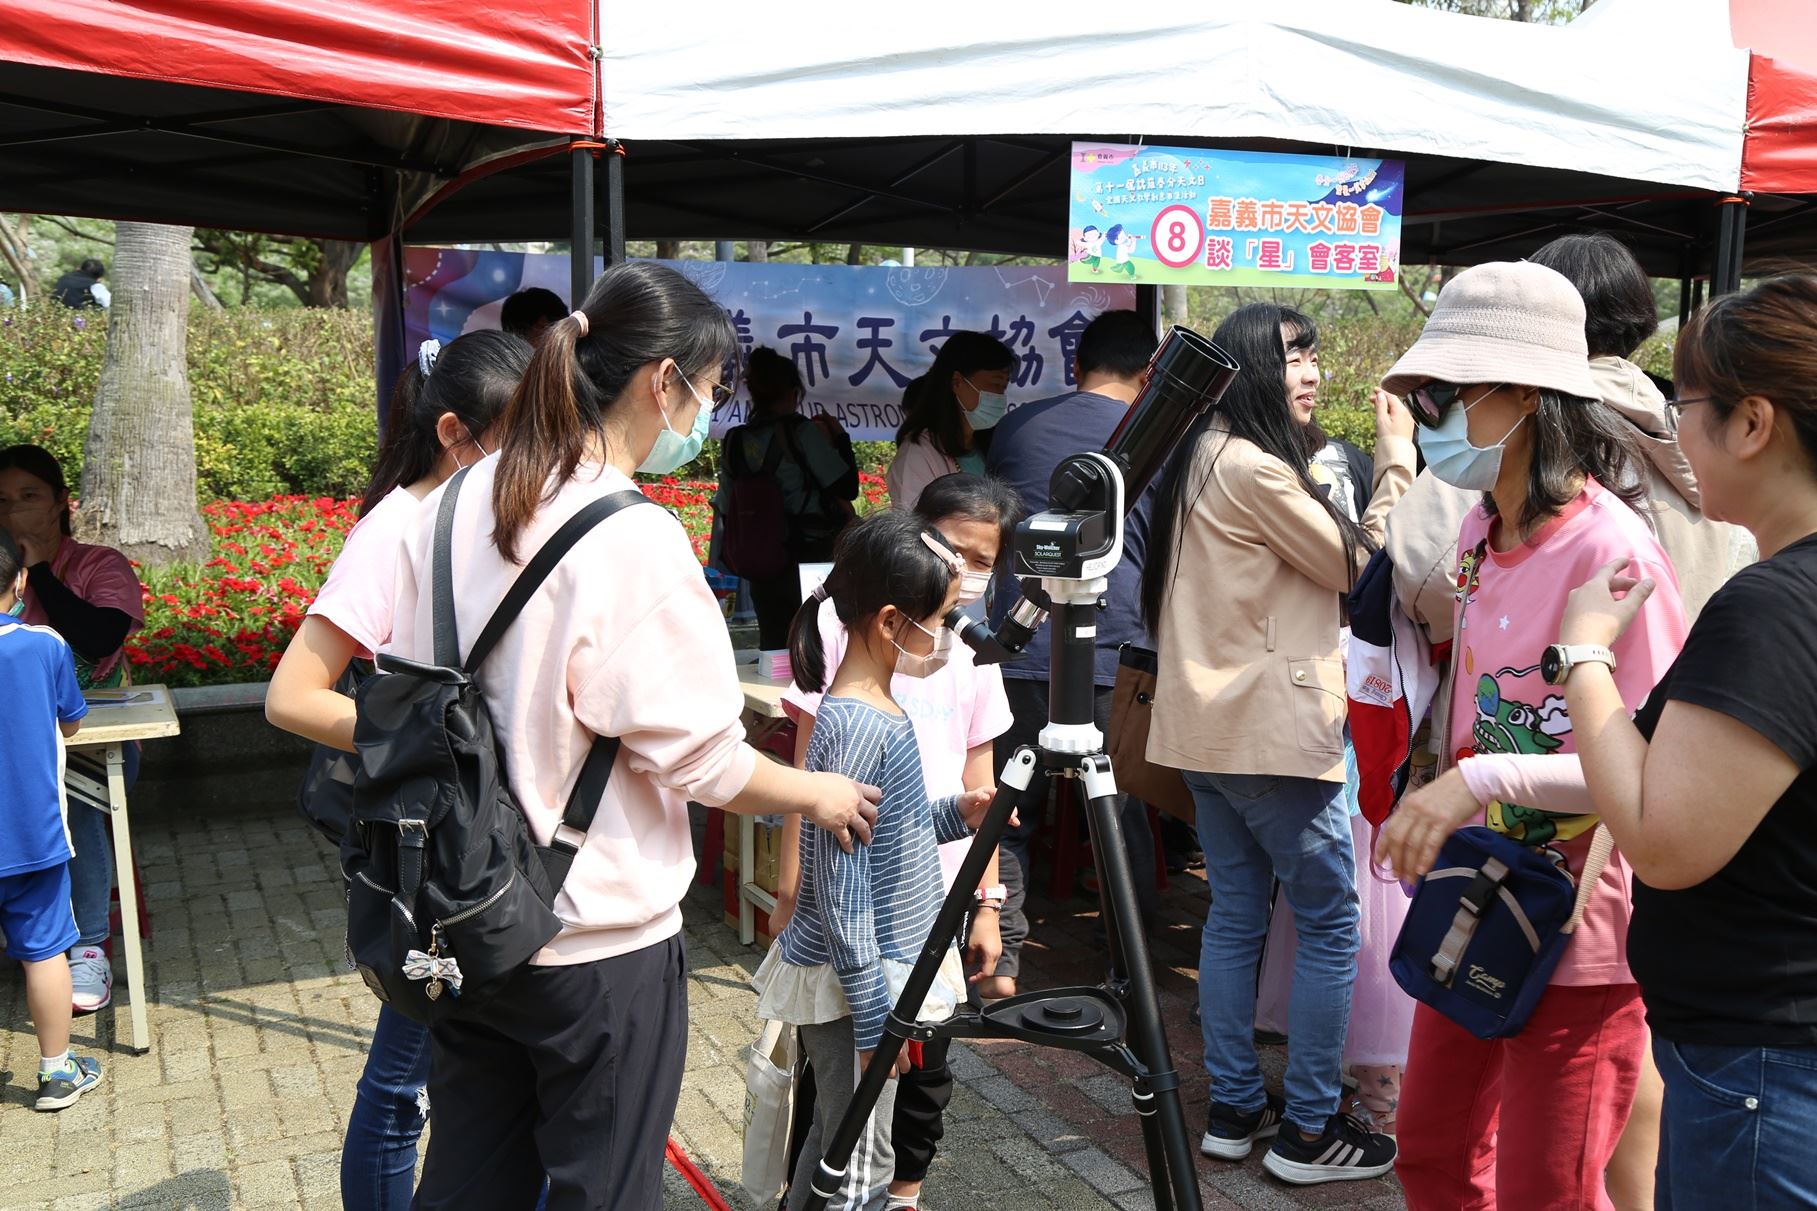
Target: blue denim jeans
{"x":91,"y":871}
{"x":1254,"y":829}
{"x":378,"y":1157}
{"x":1736,"y":1129}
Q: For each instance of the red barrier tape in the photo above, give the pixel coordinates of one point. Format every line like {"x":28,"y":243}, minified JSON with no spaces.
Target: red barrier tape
{"x":695,"y":1178}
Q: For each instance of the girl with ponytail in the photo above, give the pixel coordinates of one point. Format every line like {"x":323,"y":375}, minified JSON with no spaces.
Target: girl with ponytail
{"x":861,"y":919}
{"x":443,"y":412}
{"x":623,"y":639}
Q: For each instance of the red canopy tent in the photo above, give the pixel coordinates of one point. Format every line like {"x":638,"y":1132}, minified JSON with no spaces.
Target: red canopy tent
{"x":1780,"y":153}
{"x":335,"y":119}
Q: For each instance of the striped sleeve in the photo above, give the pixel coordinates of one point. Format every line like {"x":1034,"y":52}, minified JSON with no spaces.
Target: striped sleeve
{"x":949,"y":825}
{"x":850,"y":742}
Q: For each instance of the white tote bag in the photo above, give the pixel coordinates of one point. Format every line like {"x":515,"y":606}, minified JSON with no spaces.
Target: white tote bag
{"x":769,"y":1103}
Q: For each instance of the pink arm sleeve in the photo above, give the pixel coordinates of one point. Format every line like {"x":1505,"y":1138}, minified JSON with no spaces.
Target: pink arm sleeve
{"x":1552,"y":782}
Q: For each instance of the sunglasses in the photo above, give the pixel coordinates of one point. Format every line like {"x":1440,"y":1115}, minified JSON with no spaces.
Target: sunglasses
{"x":1428,"y":403}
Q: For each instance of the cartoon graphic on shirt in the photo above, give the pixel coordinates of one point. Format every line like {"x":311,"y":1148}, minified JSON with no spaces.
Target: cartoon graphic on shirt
{"x":1506,"y":725}
{"x":1469,"y":576}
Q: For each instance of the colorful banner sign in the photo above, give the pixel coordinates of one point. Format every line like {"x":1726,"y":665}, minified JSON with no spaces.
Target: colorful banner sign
{"x":857,"y":334}
{"x":1188,"y":216}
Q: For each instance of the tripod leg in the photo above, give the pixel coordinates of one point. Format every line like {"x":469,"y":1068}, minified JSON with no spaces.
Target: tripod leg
{"x":1147,"y":1038}
{"x":1012,"y":791}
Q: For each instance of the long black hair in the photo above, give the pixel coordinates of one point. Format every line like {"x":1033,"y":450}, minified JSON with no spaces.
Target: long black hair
{"x":883,"y":560}
{"x":1572,"y":438}
{"x":40,"y":463}
{"x":1256,"y":409}
{"x":982,"y":498}
{"x":638,"y":312}
{"x":934,"y":409}
{"x":473,"y":377}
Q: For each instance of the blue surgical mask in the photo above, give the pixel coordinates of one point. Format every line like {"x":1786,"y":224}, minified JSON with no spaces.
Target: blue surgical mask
{"x":673,"y":450}
{"x":1451,"y":456}
{"x":991,"y":407}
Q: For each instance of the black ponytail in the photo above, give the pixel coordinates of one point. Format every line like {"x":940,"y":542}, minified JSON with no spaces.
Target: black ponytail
{"x":883,"y":560}
{"x":473,"y":377}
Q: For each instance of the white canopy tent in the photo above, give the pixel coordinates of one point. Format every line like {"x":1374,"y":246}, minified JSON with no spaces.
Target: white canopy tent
{"x":1340,"y":73}
{"x":949,"y":126}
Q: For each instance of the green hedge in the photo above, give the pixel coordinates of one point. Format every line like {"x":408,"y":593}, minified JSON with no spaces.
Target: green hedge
{"x":283,"y":399}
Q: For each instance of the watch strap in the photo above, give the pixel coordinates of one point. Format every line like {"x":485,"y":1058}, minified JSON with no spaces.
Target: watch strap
{"x":1587,"y":653}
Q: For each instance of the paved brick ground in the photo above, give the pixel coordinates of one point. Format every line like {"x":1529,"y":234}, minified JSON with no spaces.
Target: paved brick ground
{"x":260,"y":1033}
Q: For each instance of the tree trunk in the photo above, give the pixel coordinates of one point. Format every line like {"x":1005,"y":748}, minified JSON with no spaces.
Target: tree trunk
{"x":668,"y":250}
{"x":854,"y":254}
{"x":139,"y":466}
{"x":198,"y":286}
{"x":757,"y":250}
{"x":1173,"y":305}
{"x":16,"y":253}
{"x":327,"y":284}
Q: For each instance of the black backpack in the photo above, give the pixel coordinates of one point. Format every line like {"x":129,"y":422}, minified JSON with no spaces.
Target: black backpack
{"x":447,"y":893}
{"x":756,"y":543}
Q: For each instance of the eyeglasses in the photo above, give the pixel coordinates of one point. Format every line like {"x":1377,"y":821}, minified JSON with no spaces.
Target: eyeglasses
{"x":720,"y":396}
{"x":1428,"y":402}
{"x":1676,"y":406}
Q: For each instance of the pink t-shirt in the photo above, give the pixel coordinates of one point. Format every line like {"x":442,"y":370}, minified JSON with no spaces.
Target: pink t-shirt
{"x":958,"y":708}
{"x":362,"y":586}
{"x":1501,"y":704}
{"x":101,"y":576}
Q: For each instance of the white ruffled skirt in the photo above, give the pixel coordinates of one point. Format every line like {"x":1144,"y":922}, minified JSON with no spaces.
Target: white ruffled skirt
{"x":809,"y":996}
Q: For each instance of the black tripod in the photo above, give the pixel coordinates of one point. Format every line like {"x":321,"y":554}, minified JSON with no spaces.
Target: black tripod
{"x":1069,"y":550}
{"x":1118,"y":1023}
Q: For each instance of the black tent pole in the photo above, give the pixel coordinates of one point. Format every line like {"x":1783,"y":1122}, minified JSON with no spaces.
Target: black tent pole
{"x":1148,"y":306}
{"x":612,"y":201}
{"x":580,"y":254}
{"x":1731,"y":230}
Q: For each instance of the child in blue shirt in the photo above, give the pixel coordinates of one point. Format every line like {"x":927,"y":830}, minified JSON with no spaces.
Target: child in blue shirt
{"x":38,"y":684}
{"x":861,"y":918}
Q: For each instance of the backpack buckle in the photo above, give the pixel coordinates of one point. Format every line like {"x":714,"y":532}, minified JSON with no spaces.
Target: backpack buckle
{"x":413,"y":833}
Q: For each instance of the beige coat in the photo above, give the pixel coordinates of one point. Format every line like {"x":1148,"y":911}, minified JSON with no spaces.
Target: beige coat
{"x":1250,"y":680}
{"x":1422,"y":530}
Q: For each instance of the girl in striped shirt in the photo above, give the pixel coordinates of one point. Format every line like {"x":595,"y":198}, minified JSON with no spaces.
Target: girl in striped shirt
{"x":861,"y":918}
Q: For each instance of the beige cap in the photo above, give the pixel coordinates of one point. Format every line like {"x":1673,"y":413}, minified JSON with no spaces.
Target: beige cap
{"x":1504,"y":322}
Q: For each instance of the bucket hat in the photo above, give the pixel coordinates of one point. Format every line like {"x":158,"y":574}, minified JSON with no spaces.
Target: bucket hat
{"x":1503,"y":322}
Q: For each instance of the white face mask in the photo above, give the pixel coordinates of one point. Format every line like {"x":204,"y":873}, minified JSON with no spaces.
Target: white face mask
{"x":911,"y":665}
{"x":972,"y":585}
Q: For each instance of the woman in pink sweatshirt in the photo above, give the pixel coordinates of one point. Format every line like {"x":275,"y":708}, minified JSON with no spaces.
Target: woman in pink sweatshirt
{"x":575,"y":1067}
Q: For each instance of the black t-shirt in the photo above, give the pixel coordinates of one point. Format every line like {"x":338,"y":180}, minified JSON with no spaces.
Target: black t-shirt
{"x":1733,"y":960}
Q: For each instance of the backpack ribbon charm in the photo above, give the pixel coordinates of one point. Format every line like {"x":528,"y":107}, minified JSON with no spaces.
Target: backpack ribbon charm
{"x":434,"y":968}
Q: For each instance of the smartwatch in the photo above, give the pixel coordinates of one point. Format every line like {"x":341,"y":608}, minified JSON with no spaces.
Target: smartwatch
{"x":1557,"y":661}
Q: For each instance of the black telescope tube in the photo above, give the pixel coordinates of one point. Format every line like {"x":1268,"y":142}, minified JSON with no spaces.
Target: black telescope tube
{"x":1187,"y":375}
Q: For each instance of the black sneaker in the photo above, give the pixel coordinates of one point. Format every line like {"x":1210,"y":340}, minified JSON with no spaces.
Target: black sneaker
{"x":58,"y":1090}
{"x":1347,"y":1152}
{"x":1230,"y":1133}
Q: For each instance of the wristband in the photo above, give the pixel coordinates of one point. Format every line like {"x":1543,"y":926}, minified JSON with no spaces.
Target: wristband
{"x":991,"y":895}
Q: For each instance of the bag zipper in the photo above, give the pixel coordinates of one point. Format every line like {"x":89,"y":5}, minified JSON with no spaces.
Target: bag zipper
{"x":483,"y":905}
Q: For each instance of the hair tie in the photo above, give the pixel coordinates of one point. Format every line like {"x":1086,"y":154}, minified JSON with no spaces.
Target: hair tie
{"x":819,"y":593}
{"x":947,"y":555}
{"x":426,"y":353}
{"x":580,"y":317}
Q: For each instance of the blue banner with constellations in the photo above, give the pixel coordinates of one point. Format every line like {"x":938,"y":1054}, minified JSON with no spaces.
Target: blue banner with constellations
{"x":857,"y":334}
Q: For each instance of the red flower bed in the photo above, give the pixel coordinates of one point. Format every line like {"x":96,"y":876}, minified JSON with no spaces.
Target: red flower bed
{"x":231,"y":618}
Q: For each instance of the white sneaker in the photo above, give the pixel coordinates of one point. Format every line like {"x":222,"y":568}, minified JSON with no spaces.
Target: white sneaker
{"x":91,"y":978}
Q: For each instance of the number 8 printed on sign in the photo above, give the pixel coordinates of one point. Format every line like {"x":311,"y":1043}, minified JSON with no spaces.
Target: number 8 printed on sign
{"x":1178,"y":236}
